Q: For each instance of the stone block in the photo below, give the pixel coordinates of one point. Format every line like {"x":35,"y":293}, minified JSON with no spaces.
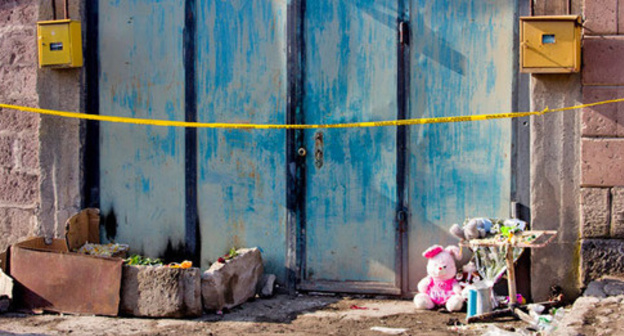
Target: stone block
{"x":14,"y":12}
{"x":601,"y":17}
{"x":229,"y":284}
{"x":16,"y":224}
{"x":600,"y":257}
{"x":603,"y":63}
{"x":602,"y":162}
{"x":18,"y":83}
{"x":602,"y":120}
{"x":29,"y":151}
{"x":614,"y":287}
{"x":620,"y":16}
{"x":595,"y":289}
{"x":18,"y":121}
{"x":18,"y":188}
{"x":7,"y":151}
{"x":18,"y":47}
{"x":158,"y":291}
{"x":595,"y":212}
{"x":617,"y":212}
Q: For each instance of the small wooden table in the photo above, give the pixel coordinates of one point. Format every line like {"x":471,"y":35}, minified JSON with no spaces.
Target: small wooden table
{"x":524,"y":239}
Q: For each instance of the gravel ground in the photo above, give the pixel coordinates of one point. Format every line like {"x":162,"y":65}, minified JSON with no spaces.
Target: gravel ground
{"x":600,"y":312}
{"x":281,"y":315}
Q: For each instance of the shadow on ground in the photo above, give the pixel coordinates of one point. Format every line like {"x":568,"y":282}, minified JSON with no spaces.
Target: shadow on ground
{"x":279,"y":309}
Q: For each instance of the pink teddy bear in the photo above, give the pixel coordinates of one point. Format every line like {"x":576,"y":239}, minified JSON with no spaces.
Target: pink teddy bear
{"x":440,"y":287}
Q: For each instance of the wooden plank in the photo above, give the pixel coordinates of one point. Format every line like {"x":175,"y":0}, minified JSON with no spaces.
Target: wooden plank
{"x":511,"y":277}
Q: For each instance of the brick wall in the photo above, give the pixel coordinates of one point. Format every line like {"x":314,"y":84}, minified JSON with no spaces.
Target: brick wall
{"x":19,"y":141}
{"x":602,"y":141}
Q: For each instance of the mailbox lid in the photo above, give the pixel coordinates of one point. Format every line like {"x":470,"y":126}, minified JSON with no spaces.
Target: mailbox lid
{"x":550,"y":43}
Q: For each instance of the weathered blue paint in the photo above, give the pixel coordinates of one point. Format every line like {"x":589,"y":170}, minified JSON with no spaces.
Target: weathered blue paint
{"x":242,"y":78}
{"x":350,"y":75}
{"x":461,"y":55}
{"x":142,"y":167}
{"x":460,"y":64}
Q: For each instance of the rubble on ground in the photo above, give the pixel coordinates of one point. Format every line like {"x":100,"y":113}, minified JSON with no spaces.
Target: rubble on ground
{"x":229,"y":283}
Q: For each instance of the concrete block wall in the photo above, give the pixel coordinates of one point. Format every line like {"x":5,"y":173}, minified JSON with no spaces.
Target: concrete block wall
{"x":602,"y":141}
{"x":19,"y":132}
{"x":40,"y":157}
{"x":555,"y":171}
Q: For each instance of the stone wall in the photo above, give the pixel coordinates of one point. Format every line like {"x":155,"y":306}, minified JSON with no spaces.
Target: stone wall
{"x":602,"y":142}
{"x":40,"y":161}
{"x":19,"y":132}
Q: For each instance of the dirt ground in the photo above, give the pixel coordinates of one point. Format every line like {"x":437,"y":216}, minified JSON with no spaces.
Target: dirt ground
{"x":281,"y":315}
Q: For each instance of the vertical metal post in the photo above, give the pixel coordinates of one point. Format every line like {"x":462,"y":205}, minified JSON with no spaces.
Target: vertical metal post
{"x":520,"y":158}
{"x":192,"y":234}
{"x":91,"y":156}
{"x":403,"y":75}
{"x":295,"y":163}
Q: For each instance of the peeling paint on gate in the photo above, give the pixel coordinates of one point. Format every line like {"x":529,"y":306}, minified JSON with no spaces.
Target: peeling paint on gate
{"x":461,"y":64}
{"x":241,"y":176}
{"x":142,"y":168}
{"x":351,"y":200}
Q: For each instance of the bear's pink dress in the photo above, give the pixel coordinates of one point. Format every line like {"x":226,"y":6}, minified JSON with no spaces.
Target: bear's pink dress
{"x":440,"y":290}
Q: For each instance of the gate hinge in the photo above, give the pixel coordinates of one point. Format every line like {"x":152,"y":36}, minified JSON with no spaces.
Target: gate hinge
{"x":404,"y":33}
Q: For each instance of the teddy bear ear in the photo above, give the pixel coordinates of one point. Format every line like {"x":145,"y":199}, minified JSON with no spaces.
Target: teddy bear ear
{"x":432,"y":251}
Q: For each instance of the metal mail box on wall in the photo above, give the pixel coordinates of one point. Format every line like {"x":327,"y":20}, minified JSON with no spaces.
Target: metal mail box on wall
{"x":550,"y":44}
{"x":59,"y":43}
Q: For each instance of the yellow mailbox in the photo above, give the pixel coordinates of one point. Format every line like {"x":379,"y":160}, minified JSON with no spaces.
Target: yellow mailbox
{"x":550,"y":44}
{"x":59,"y":43}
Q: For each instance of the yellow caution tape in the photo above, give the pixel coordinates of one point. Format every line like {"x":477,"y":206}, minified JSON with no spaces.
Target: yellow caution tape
{"x":403,"y":122}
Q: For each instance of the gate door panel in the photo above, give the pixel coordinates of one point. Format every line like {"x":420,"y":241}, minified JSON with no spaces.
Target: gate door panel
{"x":142,"y":167}
{"x":350,"y":76}
{"x":461,"y":64}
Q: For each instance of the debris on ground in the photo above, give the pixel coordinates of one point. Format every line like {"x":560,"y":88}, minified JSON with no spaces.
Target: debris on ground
{"x":266,"y":286}
{"x":233,"y":282}
{"x":6,"y":291}
{"x":389,"y":331}
{"x":104,"y":250}
{"x":493,"y":330}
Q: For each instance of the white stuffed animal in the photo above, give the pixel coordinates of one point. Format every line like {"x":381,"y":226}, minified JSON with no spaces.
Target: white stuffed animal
{"x":440,"y":287}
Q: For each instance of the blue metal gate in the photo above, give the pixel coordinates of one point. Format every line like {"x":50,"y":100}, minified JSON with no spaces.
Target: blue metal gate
{"x":339,"y":209}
